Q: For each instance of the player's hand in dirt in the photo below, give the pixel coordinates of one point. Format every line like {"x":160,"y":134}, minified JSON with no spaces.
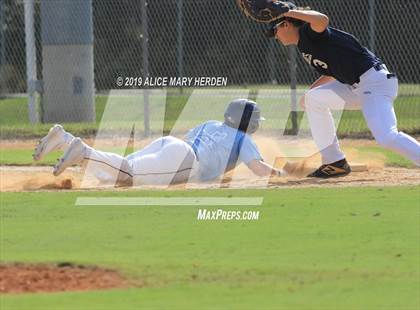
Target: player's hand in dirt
{"x":296,"y":169}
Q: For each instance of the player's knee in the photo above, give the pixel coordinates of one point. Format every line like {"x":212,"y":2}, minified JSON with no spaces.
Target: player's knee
{"x":312,"y":100}
{"x":387,"y":139}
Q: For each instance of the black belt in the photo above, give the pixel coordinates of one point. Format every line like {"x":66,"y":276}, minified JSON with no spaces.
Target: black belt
{"x":379,"y":67}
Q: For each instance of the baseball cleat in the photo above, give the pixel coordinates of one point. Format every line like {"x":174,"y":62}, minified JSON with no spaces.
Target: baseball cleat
{"x":74,"y":155}
{"x":337,"y":169}
{"x":51,"y":142}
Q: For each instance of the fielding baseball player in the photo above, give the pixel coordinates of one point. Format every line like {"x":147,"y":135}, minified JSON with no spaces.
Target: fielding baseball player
{"x":207,"y":152}
{"x":352,"y":77}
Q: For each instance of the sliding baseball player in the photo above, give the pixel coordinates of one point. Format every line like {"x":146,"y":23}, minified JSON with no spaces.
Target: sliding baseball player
{"x":351,"y":77}
{"x":206,"y":153}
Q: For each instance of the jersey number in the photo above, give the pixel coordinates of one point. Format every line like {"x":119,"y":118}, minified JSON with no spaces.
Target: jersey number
{"x":314,"y":62}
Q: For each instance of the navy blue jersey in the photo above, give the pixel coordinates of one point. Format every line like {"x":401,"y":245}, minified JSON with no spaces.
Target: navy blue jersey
{"x":335,"y":53}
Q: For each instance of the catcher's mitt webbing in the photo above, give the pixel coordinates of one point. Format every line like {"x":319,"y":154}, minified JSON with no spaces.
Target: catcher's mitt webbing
{"x":264,"y":11}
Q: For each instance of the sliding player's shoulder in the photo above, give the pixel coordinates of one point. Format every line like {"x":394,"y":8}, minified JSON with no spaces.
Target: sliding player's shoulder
{"x":248,"y":141}
{"x":212,"y":123}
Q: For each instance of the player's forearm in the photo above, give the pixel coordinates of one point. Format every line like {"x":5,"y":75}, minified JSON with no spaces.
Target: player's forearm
{"x":269,"y":171}
{"x":317,"y":20}
{"x":263,"y":169}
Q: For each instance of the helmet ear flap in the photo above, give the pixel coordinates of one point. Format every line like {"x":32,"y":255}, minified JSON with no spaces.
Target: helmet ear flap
{"x":230,"y":121}
{"x":253,"y":127}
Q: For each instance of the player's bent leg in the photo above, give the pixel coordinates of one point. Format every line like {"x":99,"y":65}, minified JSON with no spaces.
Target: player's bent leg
{"x":318,"y":102}
{"x":72,"y":156}
{"x":402,"y":144}
{"x":380,"y":117}
{"x":106,"y":167}
{"x":318,"y":105}
{"x":56,"y":139}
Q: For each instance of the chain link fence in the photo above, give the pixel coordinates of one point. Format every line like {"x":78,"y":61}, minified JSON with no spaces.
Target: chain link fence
{"x":195,"y":38}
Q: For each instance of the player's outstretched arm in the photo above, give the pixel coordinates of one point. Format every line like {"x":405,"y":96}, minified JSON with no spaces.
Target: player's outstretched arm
{"x":318,"y":21}
{"x":263,"y":169}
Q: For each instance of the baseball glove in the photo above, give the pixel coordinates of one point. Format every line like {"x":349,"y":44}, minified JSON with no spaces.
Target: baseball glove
{"x":264,"y":11}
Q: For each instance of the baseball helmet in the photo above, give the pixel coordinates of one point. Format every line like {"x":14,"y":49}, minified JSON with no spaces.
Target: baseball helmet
{"x":244,"y":115}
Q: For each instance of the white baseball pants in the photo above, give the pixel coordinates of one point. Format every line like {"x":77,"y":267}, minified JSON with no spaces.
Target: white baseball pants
{"x":165,"y":161}
{"x":374,"y":95}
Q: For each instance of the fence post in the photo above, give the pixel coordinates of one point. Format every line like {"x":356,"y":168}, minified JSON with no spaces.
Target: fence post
{"x":145,"y":45}
{"x":2,"y":41}
{"x":372,"y":30}
{"x":272,"y":62}
{"x":30,"y":60}
{"x":293,"y":86}
{"x":179,"y":39}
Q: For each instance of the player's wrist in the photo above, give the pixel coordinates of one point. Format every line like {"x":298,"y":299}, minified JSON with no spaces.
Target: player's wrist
{"x":289,"y":13}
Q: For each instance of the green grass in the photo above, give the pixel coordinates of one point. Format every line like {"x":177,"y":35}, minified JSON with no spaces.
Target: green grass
{"x":23,"y":157}
{"x":391,"y":158}
{"x":14,"y":115}
{"x":311,"y":249}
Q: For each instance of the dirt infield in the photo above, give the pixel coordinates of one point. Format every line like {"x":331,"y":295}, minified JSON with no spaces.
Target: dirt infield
{"x":31,"y":178}
{"x":40,"y":178}
{"x":32,"y":278}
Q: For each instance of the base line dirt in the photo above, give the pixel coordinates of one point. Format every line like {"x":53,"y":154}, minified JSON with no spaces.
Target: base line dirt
{"x":31,"y":178}
{"x":40,"y":178}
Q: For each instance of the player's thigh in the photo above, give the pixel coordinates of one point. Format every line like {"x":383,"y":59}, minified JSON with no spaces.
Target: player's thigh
{"x":169,"y":158}
{"x":334,"y":95}
{"x":177,"y":152}
{"x":182,"y":158}
{"x":378,"y":105}
{"x":171,"y":164}
{"x":378,"y":111}
{"x":152,"y":148}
